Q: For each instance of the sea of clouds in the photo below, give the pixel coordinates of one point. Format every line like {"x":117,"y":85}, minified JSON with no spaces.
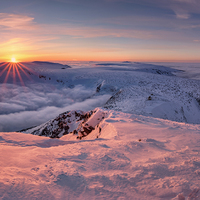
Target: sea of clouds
{"x":27,"y":106}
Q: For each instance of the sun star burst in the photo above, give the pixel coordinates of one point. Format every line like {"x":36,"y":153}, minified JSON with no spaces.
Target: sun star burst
{"x":15,"y":70}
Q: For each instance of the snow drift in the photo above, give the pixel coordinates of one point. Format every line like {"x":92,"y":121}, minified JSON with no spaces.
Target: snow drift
{"x":134,"y":157}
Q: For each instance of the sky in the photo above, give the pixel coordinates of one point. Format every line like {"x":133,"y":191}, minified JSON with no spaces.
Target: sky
{"x":100,"y":30}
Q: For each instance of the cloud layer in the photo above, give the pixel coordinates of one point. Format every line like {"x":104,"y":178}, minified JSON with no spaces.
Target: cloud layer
{"x":25,"y":107}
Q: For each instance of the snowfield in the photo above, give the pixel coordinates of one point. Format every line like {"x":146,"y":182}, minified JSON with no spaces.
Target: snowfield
{"x":134,"y":157}
{"x":109,"y":131}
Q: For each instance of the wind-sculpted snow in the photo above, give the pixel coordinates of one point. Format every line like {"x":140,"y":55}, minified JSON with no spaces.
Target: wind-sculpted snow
{"x":159,"y":100}
{"x":134,"y":157}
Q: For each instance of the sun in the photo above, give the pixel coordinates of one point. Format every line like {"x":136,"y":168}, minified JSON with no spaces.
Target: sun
{"x":13,"y":60}
{"x":15,"y":70}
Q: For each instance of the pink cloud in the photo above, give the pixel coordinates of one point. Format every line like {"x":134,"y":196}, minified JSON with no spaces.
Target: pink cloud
{"x":13,"y":21}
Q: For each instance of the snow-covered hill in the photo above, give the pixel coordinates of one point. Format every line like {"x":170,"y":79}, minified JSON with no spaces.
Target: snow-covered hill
{"x":134,"y":157}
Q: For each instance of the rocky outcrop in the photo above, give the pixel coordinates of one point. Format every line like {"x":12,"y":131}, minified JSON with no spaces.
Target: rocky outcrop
{"x":75,"y":122}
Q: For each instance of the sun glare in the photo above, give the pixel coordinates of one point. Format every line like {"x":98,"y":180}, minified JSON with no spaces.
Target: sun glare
{"x":13,"y":60}
{"x":16,"y":71}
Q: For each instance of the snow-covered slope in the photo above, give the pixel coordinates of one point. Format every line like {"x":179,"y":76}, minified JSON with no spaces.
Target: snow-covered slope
{"x":134,"y":157}
{"x":161,"y":100}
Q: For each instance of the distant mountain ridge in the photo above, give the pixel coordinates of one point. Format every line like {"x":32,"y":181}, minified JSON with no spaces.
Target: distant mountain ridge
{"x":49,"y":63}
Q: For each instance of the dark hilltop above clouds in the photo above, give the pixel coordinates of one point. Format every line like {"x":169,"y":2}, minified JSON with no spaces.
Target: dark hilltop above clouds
{"x":50,"y":63}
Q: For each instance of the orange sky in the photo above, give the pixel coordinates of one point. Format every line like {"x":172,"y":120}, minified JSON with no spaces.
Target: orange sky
{"x":117,"y":31}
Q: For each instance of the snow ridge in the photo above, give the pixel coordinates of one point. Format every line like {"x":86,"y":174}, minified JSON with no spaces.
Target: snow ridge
{"x":76,"y":122}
